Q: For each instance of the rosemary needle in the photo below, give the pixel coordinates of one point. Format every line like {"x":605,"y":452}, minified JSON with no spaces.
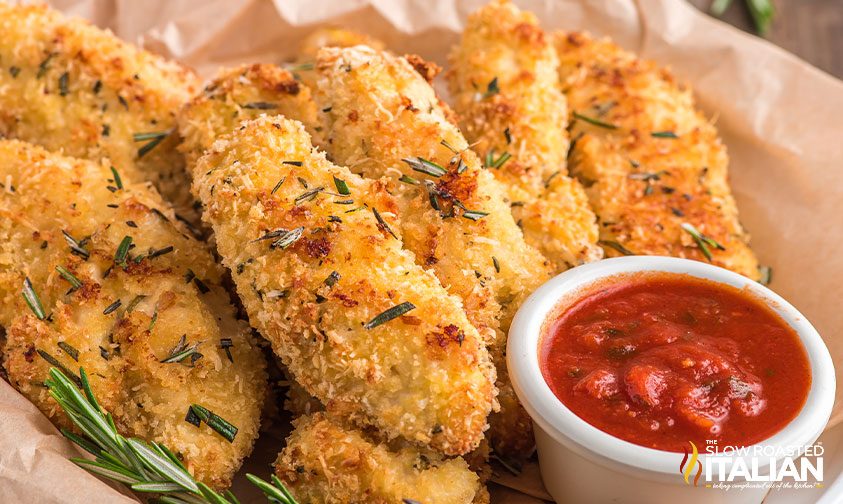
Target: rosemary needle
{"x":143,"y":466}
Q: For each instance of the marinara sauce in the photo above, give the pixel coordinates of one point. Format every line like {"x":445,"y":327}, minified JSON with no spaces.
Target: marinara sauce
{"x":663,"y":359}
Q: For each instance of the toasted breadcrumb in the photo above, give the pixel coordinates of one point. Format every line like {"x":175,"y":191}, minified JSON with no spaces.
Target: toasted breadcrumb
{"x":380,"y":113}
{"x":164,"y":295}
{"x":74,"y":88}
{"x":650,"y":160}
{"x":326,"y":462}
{"x":504,"y":82}
{"x":328,"y":37}
{"x":315,"y":272}
{"x":239,"y":94}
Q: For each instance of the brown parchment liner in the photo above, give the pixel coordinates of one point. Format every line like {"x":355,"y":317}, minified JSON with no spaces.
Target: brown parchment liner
{"x":781,"y":119}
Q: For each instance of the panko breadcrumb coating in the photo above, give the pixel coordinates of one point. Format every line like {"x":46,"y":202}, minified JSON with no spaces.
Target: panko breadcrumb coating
{"x":328,"y":37}
{"x":654,"y":167}
{"x":79,"y":90}
{"x":326,"y":462}
{"x":505,"y":86}
{"x":383,"y":119}
{"x":324,"y":278}
{"x":239,"y":94}
{"x":119,"y":316}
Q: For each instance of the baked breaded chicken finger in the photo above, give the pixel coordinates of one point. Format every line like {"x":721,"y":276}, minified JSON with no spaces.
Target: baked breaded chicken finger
{"x":505,"y":86}
{"x":654,"y":167}
{"x":79,"y":90}
{"x":384,"y":119}
{"x":94,"y":273}
{"x":359,"y":325}
{"x":239,"y":94}
{"x":327,"y":462}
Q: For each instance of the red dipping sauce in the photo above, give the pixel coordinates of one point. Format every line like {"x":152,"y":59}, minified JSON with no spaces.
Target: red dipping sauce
{"x":662,"y":359}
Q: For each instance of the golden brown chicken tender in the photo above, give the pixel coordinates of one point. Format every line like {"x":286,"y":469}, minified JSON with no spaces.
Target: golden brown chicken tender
{"x":116,"y":288}
{"x":328,"y":37}
{"x":327,"y":462}
{"x":383,"y":119}
{"x":654,"y":167}
{"x":239,"y":94}
{"x":505,"y":86}
{"x":76,"y":89}
{"x":323,"y":276}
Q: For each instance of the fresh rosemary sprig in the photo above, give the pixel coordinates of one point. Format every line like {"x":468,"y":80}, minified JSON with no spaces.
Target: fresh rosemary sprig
{"x":144,"y":466}
{"x":703,"y":241}
{"x":762,"y":12}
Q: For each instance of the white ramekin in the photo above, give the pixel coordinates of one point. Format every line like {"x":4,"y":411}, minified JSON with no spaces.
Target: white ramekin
{"x":580,"y":463}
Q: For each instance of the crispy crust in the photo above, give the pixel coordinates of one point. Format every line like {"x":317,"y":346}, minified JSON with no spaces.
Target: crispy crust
{"x":603,"y":81}
{"x":327,"y":462}
{"x":526,"y":118}
{"x":76,"y":89}
{"x":424,"y":376}
{"x":328,"y":37}
{"x":119,"y":351}
{"x":380,"y":111}
{"x":239,"y":94}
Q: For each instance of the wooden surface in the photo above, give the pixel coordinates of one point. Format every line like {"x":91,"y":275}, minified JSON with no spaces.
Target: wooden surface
{"x":810,"y":29}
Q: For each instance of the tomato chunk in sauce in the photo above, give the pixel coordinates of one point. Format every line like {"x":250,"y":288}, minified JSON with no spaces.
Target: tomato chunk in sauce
{"x":663,"y":359}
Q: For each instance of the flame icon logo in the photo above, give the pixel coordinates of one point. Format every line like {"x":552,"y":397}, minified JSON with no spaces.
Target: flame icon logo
{"x":686,"y":467}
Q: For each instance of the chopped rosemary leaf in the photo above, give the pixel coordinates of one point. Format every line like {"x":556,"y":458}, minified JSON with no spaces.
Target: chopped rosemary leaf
{"x":408,"y":180}
{"x":154,"y":137}
{"x":117,"y":180}
{"x":160,"y":252}
{"x":32,"y":299}
{"x":617,"y":246}
{"x":309,"y":195}
{"x":153,"y":320}
{"x":63,"y":78}
{"x":766,"y":273}
{"x":182,"y":351}
{"x":426,"y":166}
{"x":72,"y":352}
{"x":44,"y":66}
{"x":292,"y":163}
{"x":342,"y":187}
{"x":197,"y":413}
{"x":392,"y":313}
{"x":550,"y":178}
{"x":595,"y":122}
{"x":449,"y":146}
{"x":474,"y":215}
{"x":496,"y":264}
{"x":409,"y":501}
{"x":303,"y":182}
{"x":287,"y":238}
{"x":507,"y":135}
{"x":123,"y":251}
{"x":301,"y":67}
{"x":332,"y":279}
{"x":703,"y":242}
{"x":260,"y":106}
{"x":664,"y":134}
{"x":75,"y":246}
{"x":55,"y":363}
{"x":112,"y":307}
{"x":492,"y":88}
{"x":491,"y":162}
{"x":14,"y":71}
{"x":134,"y":302}
{"x":278,"y":185}
{"x":226,"y":344}
{"x":74,"y":282}
{"x":204,"y":289}
{"x":648,"y":176}
{"x":461,"y":166}
{"x":382,"y":223}
{"x":344,"y":202}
